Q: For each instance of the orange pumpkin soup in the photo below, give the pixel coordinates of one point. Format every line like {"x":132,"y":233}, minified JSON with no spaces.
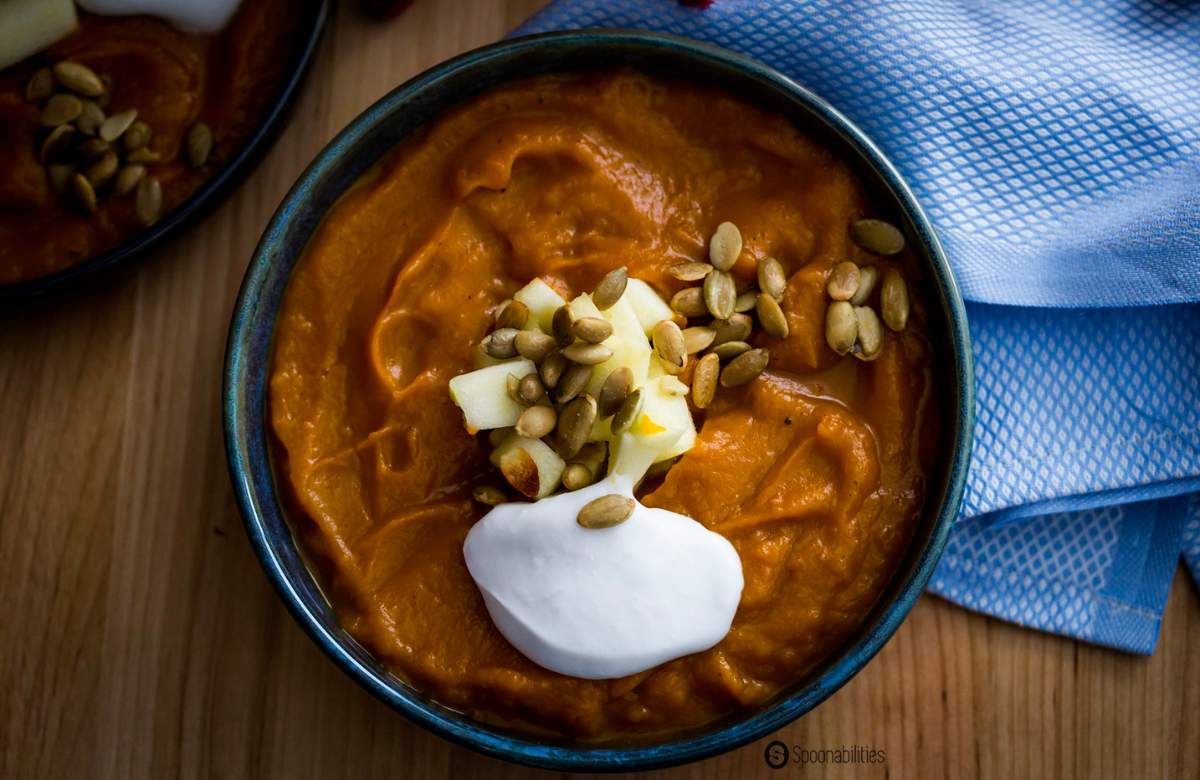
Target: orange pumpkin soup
{"x":814,"y":471}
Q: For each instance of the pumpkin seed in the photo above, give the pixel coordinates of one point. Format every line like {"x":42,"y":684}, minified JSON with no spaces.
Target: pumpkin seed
{"x":614,"y":391}
{"x":587,"y":354}
{"x":591,"y":329}
{"x":606,"y":511}
{"x":690,"y":272}
{"x":875,"y":235}
{"x":576,"y":476}
{"x":628,"y":412}
{"x":746,"y":301}
{"x":128,"y":178}
{"x":82,"y":194}
{"x":496,"y":436}
{"x":689,"y":302}
{"x":537,"y":421}
{"x":870,"y":333}
{"x":771,"y":317}
{"x":89,"y":120}
{"x":79,"y":78}
{"x":729,"y":350}
{"x":500,"y":344}
{"x":669,"y":345}
{"x":199,"y":144}
{"x":841,"y":327}
{"x":488,"y":495}
{"x":771,"y":278}
{"x":136,"y":137}
{"x":704,"y":380}
{"x":572,"y":382}
{"x":893,"y":300}
{"x":60,"y":177}
{"x":143,"y":156}
{"x":93,"y":149}
{"x":552,"y":368}
{"x":867,"y":277}
{"x":99,"y":172}
{"x":575,"y":425}
{"x":843,"y":281}
{"x":61,"y":109}
{"x":512,"y":314}
{"x":147,"y":204}
{"x":59,"y":144}
{"x":698,"y":339}
{"x":719,"y":294}
{"x":116,"y":125}
{"x":40,"y":85}
{"x":725,"y":246}
{"x":736,"y":328}
{"x":659,"y":469}
{"x":745,"y":367}
{"x":592,"y":456}
{"x":611,"y":288}
{"x":103,"y":100}
{"x":533,"y":344}
{"x":530,"y":389}
{"x":560,"y":326}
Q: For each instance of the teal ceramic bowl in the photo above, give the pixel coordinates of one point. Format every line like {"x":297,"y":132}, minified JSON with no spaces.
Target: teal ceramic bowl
{"x":389,"y":122}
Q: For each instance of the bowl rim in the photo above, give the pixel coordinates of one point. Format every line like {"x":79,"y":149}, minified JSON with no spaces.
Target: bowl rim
{"x":482,"y":737}
{"x":209,"y":194}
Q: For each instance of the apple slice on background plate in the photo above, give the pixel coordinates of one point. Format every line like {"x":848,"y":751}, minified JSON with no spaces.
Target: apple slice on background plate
{"x":28,"y":26}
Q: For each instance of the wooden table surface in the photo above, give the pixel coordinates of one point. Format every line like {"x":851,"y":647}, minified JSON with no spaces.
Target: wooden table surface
{"x":143,"y":640}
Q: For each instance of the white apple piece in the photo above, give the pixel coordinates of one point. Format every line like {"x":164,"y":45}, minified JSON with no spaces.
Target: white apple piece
{"x":628,"y":341}
{"x":542,"y":301}
{"x":647,"y":305}
{"x":529,"y":465}
{"x":28,"y":26}
{"x":662,"y":430}
{"x":483,"y":395}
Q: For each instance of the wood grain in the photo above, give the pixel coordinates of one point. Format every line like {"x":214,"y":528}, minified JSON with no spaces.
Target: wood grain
{"x":143,"y":641}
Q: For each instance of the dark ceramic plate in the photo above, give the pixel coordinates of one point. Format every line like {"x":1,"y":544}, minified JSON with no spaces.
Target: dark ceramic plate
{"x":314,"y":14}
{"x":376,"y":132}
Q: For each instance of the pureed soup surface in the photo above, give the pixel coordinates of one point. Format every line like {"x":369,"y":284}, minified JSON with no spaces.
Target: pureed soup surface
{"x":173,"y":79}
{"x":814,"y":470}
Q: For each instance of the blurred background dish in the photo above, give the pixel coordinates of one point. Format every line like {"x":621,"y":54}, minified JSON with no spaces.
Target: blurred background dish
{"x":120,"y":133}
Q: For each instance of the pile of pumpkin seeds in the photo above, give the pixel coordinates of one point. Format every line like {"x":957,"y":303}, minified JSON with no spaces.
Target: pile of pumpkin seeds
{"x":560,"y":413}
{"x":852,"y":325}
{"x":89,"y":153}
{"x":719,"y":315}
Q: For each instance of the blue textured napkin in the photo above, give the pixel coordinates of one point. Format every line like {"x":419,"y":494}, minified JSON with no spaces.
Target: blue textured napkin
{"x":1056,"y":147}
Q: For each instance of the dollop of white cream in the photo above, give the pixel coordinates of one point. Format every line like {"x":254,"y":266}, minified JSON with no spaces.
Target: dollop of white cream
{"x":196,"y":16}
{"x":603,"y":603}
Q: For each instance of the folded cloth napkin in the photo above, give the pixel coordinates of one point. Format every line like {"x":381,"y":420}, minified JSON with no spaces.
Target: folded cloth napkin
{"x":1056,"y":147}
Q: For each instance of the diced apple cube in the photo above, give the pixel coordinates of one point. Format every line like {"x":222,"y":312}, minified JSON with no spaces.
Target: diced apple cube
{"x":647,"y":304}
{"x":663,"y":429}
{"x":542,"y":301}
{"x":530,"y":465}
{"x":483,"y":395}
{"x":628,"y":342}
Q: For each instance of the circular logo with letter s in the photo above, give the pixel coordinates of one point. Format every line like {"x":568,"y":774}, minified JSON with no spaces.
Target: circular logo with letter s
{"x":776,"y":754}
